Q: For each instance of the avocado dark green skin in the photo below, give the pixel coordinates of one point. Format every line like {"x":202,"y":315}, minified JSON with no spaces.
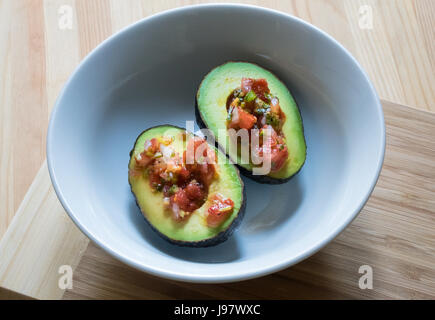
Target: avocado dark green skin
{"x":247,"y":173}
{"x":220,"y":237}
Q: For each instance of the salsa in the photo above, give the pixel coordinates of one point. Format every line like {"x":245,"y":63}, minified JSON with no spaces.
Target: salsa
{"x":183,"y":179}
{"x":253,"y":106}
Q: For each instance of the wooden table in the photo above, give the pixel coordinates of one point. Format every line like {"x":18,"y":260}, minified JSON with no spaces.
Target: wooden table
{"x":394,"y":233}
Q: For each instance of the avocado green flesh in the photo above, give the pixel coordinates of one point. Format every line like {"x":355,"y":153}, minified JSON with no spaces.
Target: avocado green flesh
{"x":194,"y":228}
{"x":211,"y":103}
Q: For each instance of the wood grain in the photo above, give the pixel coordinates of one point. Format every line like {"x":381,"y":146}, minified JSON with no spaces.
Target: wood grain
{"x":394,"y":234}
{"x":6,"y":294}
{"x":37,"y":57}
{"x":23,"y":113}
{"x":21,"y":246}
{"x":40,"y":239}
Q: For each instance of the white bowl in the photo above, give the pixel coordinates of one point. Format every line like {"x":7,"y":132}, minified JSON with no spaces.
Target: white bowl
{"x":148,"y":74}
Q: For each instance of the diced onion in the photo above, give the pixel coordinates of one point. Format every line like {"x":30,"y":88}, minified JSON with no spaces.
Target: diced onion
{"x":235,"y":117}
{"x":274,"y":101}
{"x":176,"y":211}
{"x":167,"y":152}
{"x":263,"y":120}
{"x":147,"y":144}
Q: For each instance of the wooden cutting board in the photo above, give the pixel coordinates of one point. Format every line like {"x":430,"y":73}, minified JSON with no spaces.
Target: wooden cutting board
{"x":36,"y":237}
{"x":394,"y":234}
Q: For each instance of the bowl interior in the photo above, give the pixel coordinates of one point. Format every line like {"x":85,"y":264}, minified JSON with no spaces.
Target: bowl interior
{"x":148,"y":75}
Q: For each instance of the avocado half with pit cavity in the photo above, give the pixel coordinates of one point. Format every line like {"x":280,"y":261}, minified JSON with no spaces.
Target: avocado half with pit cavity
{"x":211,"y":112}
{"x":192,"y":231}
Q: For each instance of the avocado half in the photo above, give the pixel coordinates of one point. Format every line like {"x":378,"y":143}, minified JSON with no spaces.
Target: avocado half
{"x":192,"y":231}
{"x":211,"y":112}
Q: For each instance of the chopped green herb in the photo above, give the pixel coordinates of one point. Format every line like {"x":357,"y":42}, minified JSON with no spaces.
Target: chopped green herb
{"x":272,"y":119}
{"x":262,"y":110}
{"x":172,"y":177}
{"x":260,"y":103}
{"x":250,"y":96}
{"x":268,"y":96}
{"x":158,"y":186}
{"x":173,"y":189}
{"x":230,"y":114}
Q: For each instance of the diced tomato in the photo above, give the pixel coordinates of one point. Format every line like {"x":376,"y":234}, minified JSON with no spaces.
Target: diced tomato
{"x":278,"y":157}
{"x":183,"y":175}
{"x":181,"y":199}
{"x":259,"y":86}
{"x":275,"y":108}
{"x":135,"y":173}
{"x":142,"y":160}
{"x":271,"y":138}
{"x":219,"y":210}
{"x":197,"y":147}
{"x":187,"y":198}
{"x":278,"y":150}
{"x":243,"y":120}
{"x":194,"y":191}
{"x":155,"y":172}
{"x":206,"y":173}
{"x":246,"y":120}
{"x":146,"y":157}
{"x":247,"y":84}
{"x":154,"y":178}
{"x":159,"y":166}
{"x":203,"y":172}
{"x":190,"y":198}
{"x":197,"y":142}
{"x":154,"y":147}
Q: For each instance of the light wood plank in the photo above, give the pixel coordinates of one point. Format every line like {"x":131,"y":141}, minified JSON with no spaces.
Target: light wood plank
{"x":124,"y":13}
{"x":7,"y":209}
{"x":374,"y":51}
{"x":11,"y":295}
{"x":40,"y":239}
{"x":94,"y":23}
{"x":62,"y":45}
{"x":22,"y":101}
{"x":425,"y":12}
